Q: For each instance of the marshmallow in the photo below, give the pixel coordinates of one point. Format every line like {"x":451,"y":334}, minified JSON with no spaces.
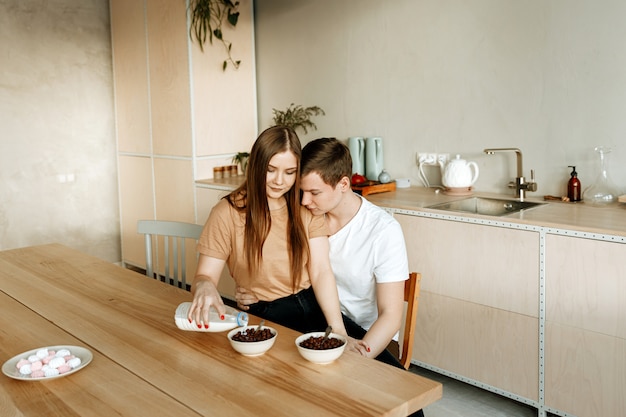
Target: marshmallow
{"x":74,"y":362}
{"x":21,"y":363}
{"x":36,"y":366}
{"x":37,"y":374}
{"x":56,"y":362}
{"x":64,"y":368}
{"x":63,"y":352}
{"x":42,"y":353}
{"x":25,"y":370}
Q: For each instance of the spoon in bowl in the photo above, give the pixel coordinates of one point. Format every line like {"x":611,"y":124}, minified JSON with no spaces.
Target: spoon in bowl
{"x":328,"y":330}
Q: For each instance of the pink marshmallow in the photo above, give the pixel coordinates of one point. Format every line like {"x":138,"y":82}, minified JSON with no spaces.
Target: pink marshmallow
{"x":22,"y":362}
{"x":36,"y":366}
{"x":64,"y":368}
{"x":37,"y":374}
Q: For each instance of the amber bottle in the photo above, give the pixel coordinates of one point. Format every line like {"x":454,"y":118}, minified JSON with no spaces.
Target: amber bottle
{"x":574,"y":190}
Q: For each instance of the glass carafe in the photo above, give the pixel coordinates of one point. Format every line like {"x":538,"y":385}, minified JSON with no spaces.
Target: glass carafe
{"x":602,"y":192}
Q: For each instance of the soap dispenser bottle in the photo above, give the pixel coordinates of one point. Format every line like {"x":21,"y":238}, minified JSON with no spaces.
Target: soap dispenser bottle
{"x":574,"y":190}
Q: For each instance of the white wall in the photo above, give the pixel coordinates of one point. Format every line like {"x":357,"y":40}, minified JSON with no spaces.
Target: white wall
{"x":456,"y":76}
{"x":56,"y":121}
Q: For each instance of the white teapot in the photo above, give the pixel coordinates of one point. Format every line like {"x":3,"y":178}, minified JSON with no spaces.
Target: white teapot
{"x":458,"y":173}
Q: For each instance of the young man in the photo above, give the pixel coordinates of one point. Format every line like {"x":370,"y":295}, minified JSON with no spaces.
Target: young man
{"x":367,"y":249}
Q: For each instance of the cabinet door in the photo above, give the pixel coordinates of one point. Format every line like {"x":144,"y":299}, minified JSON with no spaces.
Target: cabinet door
{"x":585,"y":326}
{"x":478,"y":312}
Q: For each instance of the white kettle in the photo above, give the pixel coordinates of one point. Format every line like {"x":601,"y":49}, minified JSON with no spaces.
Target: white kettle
{"x":459,"y":173}
{"x":373,"y":158}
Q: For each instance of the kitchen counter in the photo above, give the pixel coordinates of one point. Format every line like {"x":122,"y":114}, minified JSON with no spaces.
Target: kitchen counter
{"x":580,"y":217}
{"x":609,"y":220}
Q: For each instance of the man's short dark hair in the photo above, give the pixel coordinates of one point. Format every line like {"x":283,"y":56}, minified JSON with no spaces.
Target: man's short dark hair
{"x":327,"y":157}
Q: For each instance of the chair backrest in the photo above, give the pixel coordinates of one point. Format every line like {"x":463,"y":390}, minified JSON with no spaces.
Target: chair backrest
{"x":407,"y":332}
{"x":174,"y":235}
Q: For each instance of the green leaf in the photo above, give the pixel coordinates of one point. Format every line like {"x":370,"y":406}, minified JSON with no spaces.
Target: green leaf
{"x":233,"y":18}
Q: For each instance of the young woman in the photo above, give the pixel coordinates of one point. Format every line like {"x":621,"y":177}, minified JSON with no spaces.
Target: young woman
{"x":274,"y":247}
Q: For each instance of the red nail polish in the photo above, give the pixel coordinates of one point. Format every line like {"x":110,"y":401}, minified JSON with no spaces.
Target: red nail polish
{"x":190,"y":320}
{"x":206,"y":326}
{"x":222,"y":317}
{"x":368,"y":349}
{"x":199,"y":326}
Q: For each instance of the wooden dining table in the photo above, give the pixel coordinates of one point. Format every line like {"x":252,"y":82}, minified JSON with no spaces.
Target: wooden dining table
{"x":143,"y":365}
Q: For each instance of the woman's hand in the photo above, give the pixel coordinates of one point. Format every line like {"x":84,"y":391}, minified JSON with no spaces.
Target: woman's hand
{"x":244,"y":298}
{"x":205,"y":296}
{"x":204,"y":290}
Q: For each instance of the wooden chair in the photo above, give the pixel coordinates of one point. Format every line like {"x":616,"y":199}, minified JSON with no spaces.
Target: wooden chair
{"x":172,"y":233}
{"x":407,"y":331}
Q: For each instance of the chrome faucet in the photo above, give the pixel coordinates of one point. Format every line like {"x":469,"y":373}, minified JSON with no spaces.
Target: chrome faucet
{"x":520,"y":185}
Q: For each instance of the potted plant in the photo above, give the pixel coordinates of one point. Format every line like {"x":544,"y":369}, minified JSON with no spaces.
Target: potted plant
{"x":241,"y":159}
{"x":297,"y":117}
{"x":207,"y":18}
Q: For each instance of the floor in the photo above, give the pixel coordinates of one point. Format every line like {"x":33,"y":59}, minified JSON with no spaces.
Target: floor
{"x":464,"y":400}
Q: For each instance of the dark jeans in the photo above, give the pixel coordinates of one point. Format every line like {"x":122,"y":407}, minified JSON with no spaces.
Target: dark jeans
{"x":299,"y":311}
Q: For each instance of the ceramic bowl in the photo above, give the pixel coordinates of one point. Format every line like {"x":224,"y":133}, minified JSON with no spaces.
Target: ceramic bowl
{"x":320,"y":356}
{"x":252,"y":348}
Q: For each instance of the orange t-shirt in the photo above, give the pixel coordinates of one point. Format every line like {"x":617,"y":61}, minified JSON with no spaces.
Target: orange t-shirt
{"x":223,"y":237}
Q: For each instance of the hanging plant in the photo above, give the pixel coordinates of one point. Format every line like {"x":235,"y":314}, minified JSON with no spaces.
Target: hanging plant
{"x":207,"y":18}
{"x":297,"y":117}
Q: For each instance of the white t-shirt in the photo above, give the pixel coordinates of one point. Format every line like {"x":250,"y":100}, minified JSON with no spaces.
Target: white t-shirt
{"x":369,"y":249}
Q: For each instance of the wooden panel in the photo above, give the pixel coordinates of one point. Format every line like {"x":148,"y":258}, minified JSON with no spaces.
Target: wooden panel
{"x":489,"y":345}
{"x":137,"y":202}
{"x":130,"y":72}
{"x":487,"y":265}
{"x":586,"y":284}
{"x":169,"y":77}
{"x":225,"y":118}
{"x":585,"y":372}
{"x":585,"y":326}
{"x":174,"y":191}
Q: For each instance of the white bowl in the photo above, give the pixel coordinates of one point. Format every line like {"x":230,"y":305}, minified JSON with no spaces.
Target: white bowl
{"x":252,"y":348}
{"x":320,"y":356}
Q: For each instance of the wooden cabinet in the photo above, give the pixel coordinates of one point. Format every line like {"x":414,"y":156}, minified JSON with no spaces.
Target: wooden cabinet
{"x":478,"y":314}
{"x":530,"y":312}
{"x":585,"y":326}
{"x":177,"y":113}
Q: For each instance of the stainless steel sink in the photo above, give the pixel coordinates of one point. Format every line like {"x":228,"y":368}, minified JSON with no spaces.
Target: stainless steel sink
{"x":486,"y":206}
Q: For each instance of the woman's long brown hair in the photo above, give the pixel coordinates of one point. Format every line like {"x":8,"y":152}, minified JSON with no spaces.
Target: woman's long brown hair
{"x":251,"y":198}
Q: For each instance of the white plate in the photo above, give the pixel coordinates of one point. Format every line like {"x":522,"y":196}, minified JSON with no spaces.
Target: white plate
{"x":10,"y":370}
